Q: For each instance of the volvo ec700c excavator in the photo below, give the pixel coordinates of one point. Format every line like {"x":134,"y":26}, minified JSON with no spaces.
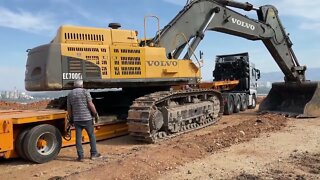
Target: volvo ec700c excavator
{"x":146,"y":69}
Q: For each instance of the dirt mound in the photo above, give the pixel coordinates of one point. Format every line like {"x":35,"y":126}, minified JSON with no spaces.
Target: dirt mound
{"x":308,"y":162}
{"x":6,"y":105}
{"x":152,"y":161}
{"x":260,"y":99}
{"x":299,"y":166}
{"x":245,"y":176}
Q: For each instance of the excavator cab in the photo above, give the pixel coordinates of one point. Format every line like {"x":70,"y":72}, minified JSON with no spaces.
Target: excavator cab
{"x":293,"y":99}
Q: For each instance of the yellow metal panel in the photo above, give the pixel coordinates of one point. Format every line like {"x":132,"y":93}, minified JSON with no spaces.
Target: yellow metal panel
{"x":127,"y":62}
{"x":158,"y":66}
{"x":101,"y":36}
{"x":97,"y":54}
{"x":188,"y":69}
{"x":2,"y":112}
{"x":124,"y":37}
{"x":224,"y":83}
{"x":24,"y":117}
{"x":87,"y":35}
{"x":119,"y":56}
{"x":219,"y":85}
{"x":102,"y":132}
{"x":157,"y":63}
{"x":6,"y":135}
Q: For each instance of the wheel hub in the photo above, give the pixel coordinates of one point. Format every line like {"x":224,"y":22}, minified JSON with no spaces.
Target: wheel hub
{"x":157,"y":120}
{"x":41,"y":143}
{"x":46,"y":143}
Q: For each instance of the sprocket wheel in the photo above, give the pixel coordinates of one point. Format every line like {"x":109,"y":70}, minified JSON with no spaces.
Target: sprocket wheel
{"x":156,"y":121}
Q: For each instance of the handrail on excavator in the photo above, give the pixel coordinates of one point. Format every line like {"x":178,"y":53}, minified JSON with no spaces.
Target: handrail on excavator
{"x":145,"y":27}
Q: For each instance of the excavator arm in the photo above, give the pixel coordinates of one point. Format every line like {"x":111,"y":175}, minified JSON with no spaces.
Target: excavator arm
{"x":294,"y":97}
{"x":188,"y":28}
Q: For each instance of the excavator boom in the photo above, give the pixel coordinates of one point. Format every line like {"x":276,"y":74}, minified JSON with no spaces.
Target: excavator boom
{"x":295,"y":96}
{"x":214,"y":15}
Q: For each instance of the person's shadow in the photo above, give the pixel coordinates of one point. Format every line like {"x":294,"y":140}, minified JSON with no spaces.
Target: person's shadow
{"x":65,"y":158}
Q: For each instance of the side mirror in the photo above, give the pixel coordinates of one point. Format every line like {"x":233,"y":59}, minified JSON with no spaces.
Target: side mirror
{"x":258,"y":74}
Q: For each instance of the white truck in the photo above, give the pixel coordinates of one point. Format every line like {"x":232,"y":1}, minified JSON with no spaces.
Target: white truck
{"x":237,"y":67}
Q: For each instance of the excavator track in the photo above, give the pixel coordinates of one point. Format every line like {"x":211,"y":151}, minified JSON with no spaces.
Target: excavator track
{"x":166,"y":114}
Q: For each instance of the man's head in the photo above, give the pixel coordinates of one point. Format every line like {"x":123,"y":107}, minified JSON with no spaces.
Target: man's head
{"x":78,"y":83}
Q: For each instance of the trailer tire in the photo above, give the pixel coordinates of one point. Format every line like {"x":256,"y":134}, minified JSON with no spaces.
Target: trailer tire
{"x":244,"y":103}
{"x":229,"y":106}
{"x":19,"y":143}
{"x":254,"y":102}
{"x":237,"y":104}
{"x":42,"y":143}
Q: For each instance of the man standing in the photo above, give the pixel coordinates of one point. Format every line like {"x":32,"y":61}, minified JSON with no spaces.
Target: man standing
{"x":80,"y":108}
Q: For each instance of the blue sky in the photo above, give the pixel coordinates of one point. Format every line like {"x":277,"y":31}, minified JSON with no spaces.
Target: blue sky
{"x":26,"y":24}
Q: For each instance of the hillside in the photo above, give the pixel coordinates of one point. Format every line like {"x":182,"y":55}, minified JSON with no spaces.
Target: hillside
{"x":311,"y":73}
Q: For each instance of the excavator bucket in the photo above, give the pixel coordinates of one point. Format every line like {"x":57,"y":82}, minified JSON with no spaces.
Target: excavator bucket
{"x":293,"y":99}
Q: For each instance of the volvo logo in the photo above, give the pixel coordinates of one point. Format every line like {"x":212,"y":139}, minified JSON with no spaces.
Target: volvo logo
{"x":162,"y":63}
{"x":243,"y":24}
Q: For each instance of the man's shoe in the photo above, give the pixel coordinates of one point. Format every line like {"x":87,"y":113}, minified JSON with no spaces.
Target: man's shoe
{"x":95,"y":156}
{"x":80,"y":159}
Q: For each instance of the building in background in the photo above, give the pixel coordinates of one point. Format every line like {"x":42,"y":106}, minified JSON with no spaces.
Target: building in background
{"x":15,"y":95}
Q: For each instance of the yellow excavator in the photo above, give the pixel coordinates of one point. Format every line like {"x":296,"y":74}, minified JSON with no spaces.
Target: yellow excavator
{"x":144,"y":71}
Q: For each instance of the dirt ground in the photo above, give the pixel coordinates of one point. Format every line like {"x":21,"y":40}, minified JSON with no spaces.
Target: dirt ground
{"x":6,"y":105}
{"x":240,"y":146}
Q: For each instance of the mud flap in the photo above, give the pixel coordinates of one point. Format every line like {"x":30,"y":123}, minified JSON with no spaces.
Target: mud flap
{"x":293,"y":99}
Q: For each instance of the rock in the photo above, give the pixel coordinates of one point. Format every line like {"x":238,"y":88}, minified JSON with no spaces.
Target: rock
{"x":38,"y":174}
{"x":135,"y":149}
{"x":242,"y":132}
{"x":56,"y":178}
{"x":258,"y":121}
{"x":189,"y":172}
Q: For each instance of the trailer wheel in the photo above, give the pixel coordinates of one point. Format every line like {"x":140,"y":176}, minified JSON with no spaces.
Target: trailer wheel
{"x":228,"y":106}
{"x":254,"y":102}
{"x":244,"y":103}
{"x":237,"y":104}
{"x":19,"y":143}
{"x":42,"y":143}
